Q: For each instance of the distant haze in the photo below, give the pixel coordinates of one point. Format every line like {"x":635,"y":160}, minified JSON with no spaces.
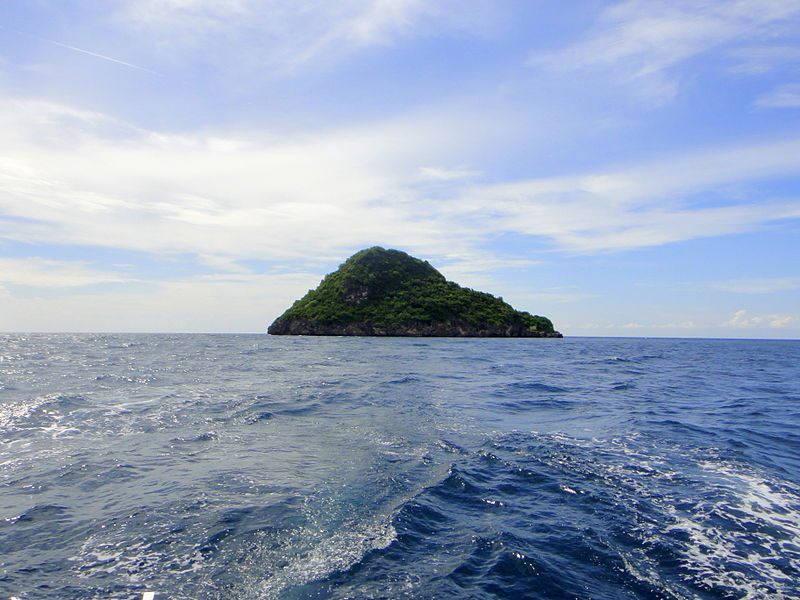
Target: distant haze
{"x":624,"y":168}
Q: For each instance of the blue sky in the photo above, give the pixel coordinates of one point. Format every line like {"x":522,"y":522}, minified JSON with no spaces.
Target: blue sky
{"x":625,"y":168}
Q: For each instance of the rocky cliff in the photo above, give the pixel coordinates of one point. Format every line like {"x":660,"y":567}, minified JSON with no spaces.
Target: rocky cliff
{"x":379,"y":292}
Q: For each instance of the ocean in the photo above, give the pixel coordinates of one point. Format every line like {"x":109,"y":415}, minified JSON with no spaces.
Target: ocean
{"x":249,"y":467}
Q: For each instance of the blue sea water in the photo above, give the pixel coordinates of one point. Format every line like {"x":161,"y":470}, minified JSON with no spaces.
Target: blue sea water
{"x":255,"y":467}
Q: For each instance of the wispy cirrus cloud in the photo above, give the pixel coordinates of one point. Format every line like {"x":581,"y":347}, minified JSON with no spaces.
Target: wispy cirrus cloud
{"x":760,"y":285}
{"x":762,"y":58}
{"x":666,"y":200}
{"x":642,"y":41}
{"x":784,"y":96}
{"x":287,"y":35}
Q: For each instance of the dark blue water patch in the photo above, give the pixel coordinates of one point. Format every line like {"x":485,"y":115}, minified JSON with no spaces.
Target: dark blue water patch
{"x":525,"y":396}
{"x":689,"y":430}
{"x":305,"y":409}
{"x":772,"y":390}
{"x":402,"y":380}
{"x":266,"y":411}
{"x":487,"y":526}
{"x":90,"y":477}
{"x":41,"y":513}
{"x":619,"y":386}
{"x":208,"y":436}
{"x":524,"y":387}
{"x":533,"y":404}
{"x":260,"y":416}
{"x":282,"y":514}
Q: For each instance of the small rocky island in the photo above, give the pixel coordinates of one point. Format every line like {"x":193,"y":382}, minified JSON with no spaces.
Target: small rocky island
{"x":379,"y":292}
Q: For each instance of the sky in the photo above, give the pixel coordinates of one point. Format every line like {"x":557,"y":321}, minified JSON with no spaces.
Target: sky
{"x":625,"y":168}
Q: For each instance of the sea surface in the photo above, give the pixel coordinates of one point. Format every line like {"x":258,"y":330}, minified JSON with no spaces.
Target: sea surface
{"x":253,"y":467}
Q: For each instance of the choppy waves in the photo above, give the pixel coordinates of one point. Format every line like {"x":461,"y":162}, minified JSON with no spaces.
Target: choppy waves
{"x":216,"y":467}
{"x":548,"y":516}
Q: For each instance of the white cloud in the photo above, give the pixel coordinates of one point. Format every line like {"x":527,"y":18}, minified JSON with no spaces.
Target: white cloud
{"x":446,"y":174}
{"x":376,"y":21}
{"x":77,"y":177}
{"x":677,"y":325}
{"x":742,"y":318}
{"x":246,"y":304}
{"x":785,"y":96}
{"x":477,"y":268}
{"x":642,"y":40}
{"x":244,"y":198}
{"x":642,"y":328}
{"x":645,"y":205}
{"x":222,"y":263}
{"x":40,"y":272}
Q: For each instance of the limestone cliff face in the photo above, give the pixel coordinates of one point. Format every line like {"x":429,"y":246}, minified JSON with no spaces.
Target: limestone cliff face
{"x":379,"y":292}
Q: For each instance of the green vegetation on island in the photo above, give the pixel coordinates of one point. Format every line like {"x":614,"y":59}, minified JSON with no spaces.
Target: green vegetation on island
{"x":387,"y":292}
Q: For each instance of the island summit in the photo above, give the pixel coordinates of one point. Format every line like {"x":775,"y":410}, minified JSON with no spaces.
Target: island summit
{"x":379,"y":292}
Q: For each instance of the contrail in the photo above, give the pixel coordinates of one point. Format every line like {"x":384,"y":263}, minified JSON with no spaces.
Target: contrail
{"x":103,"y":56}
{"x":82,"y":51}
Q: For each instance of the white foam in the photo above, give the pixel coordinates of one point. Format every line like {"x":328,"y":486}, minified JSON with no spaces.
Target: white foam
{"x":11,"y":414}
{"x":734,"y":526}
{"x":750,"y":503}
{"x":338,"y":552}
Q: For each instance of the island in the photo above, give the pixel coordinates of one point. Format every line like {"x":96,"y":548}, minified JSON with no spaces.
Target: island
{"x":380,"y":292}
